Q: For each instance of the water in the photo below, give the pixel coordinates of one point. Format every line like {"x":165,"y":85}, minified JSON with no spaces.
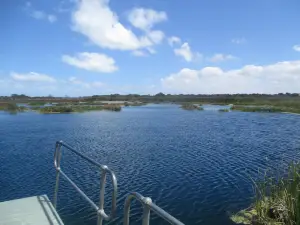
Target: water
{"x":194,"y":164}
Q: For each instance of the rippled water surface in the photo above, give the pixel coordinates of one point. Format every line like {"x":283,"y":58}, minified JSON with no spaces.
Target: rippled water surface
{"x":195,"y":165}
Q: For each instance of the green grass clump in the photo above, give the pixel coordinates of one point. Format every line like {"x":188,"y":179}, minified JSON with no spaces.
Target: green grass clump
{"x":277,"y":201}
{"x":187,"y":106}
{"x":223,"y":110}
{"x":12,"y":107}
{"x":56,"y":109}
{"x":36,"y":103}
{"x":78,"y":108}
{"x":266,"y":109}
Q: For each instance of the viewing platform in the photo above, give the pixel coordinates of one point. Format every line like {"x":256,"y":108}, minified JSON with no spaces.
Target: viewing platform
{"x":37,"y":210}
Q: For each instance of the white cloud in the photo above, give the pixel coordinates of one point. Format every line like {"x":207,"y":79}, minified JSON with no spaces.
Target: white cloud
{"x":145,"y":19}
{"x":174,"y":40}
{"x":221,"y":57}
{"x":73,"y":86}
{"x":296,"y":48}
{"x":156,"y":36}
{"x":274,"y":78}
{"x":32,"y":77}
{"x":239,"y":41}
{"x":38,"y":14}
{"x":92,"y":62}
{"x":186,"y":52}
{"x":139,"y":53}
{"x":95,"y":20}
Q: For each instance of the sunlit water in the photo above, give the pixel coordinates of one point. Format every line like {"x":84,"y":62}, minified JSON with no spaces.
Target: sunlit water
{"x":197,"y":165}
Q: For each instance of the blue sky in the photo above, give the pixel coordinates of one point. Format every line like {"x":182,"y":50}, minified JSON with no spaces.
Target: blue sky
{"x":85,"y":47}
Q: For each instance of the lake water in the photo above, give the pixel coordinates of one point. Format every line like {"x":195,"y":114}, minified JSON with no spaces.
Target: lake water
{"x":196,"y":165}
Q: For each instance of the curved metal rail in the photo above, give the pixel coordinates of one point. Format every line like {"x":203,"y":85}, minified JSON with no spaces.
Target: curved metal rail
{"x":104,"y":170}
{"x":146,"y":202}
{"x":148,"y":205}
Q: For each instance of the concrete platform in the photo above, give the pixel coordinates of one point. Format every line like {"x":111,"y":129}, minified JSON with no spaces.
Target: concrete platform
{"x":37,"y":210}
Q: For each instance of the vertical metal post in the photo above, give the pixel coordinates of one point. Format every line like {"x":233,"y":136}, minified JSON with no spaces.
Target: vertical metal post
{"x":102,"y":193}
{"x":127,"y":210}
{"x":57,"y":158}
{"x":146,"y":210}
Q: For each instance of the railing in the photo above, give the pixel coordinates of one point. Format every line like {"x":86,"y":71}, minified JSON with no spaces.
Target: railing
{"x":104,"y":170}
{"x":146,"y":202}
{"x":147,"y":206}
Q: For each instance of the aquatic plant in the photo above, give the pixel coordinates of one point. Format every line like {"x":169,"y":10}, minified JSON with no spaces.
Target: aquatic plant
{"x":187,"y":106}
{"x":56,"y":109}
{"x":266,"y":109}
{"x":12,"y":107}
{"x":223,"y":110}
{"x":78,"y":108}
{"x":36,"y":103}
{"x":277,"y":201}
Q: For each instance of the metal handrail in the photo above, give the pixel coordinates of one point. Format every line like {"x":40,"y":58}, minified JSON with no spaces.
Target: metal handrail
{"x":104,"y":170}
{"x":147,"y":206}
{"x":146,"y":202}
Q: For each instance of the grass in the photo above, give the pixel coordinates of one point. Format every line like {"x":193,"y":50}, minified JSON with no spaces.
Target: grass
{"x":36,"y":103}
{"x":277,"y":201}
{"x":266,"y":109}
{"x":12,"y":107}
{"x":223,"y":110}
{"x":78,"y":108}
{"x":134,"y":103}
{"x":188,"y":106}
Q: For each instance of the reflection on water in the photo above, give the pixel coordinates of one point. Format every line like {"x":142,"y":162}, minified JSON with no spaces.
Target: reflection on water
{"x":195,"y":164}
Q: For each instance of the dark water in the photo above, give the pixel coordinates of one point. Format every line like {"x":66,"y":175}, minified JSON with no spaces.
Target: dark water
{"x":195,"y":165}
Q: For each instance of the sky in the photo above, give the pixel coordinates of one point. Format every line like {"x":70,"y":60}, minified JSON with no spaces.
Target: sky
{"x":87,"y":47}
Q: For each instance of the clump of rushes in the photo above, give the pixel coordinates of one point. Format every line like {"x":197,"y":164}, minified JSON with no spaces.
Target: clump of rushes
{"x":191,"y":107}
{"x":78,"y":108}
{"x":12,"y":108}
{"x":223,"y":110}
{"x":267,"y":109}
{"x":277,"y":201}
{"x":56,"y":109}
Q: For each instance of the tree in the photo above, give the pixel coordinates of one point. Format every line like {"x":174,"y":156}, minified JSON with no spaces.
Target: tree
{"x":160,"y":94}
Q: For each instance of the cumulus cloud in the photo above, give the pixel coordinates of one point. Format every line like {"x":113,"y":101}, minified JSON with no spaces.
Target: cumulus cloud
{"x":32,"y":77}
{"x":144,"y":19}
{"x":239,"y":41}
{"x":186,"y":52}
{"x":274,"y":78}
{"x":156,"y":36}
{"x":174,"y":40}
{"x":38,"y":14}
{"x":91,"y":61}
{"x":221,"y":57}
{"x":296,"y":48}
{"x":36,"y":84}
{"x":95,"y":20}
